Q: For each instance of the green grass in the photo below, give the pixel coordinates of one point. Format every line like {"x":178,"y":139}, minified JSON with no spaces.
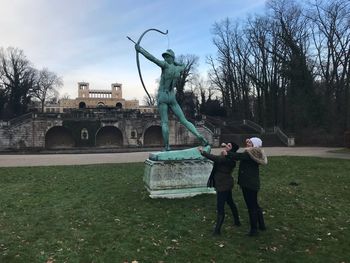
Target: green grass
{"x":343,"y":150}
{"x":102,"y":213}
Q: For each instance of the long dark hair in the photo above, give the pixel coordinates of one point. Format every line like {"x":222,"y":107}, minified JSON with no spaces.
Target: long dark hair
{"x":235,"y":147}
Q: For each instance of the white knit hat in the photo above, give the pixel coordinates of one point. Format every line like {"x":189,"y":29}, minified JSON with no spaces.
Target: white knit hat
{"x":257,"y":142}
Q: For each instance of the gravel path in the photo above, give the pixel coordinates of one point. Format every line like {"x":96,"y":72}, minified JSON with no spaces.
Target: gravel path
{"x":17,"y":160}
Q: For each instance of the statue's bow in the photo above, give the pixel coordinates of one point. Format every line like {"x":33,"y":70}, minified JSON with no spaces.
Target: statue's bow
{"x":138,"y":59}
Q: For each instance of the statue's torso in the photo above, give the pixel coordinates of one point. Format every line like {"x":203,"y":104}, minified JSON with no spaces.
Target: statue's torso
{"x":169,"y":77}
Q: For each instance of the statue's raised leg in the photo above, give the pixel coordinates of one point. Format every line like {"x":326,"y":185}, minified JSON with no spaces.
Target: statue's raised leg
{"x":179,"y":113}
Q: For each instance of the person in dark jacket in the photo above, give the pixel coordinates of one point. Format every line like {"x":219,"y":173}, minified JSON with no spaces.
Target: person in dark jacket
{"x":249,"y":181}
{"x":222,"y":180}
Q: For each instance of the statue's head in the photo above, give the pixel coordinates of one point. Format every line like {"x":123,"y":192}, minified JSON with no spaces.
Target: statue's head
{"x":169,"y":52}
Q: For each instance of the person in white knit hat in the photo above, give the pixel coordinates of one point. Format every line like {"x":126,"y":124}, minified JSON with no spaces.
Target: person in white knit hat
{"x":256,"y":142}
{"x":249,"y":180}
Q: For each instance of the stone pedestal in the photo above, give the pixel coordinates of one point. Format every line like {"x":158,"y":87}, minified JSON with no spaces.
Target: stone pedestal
{"x":177,"y":179}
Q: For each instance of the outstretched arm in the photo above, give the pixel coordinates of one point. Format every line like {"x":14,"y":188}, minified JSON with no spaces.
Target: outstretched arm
{"x":238,"y":156}
{"x":149,"y":56}
{"x":212,"y":157}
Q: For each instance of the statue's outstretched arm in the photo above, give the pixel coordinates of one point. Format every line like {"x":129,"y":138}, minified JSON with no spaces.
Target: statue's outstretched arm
{"x":149,"y":56}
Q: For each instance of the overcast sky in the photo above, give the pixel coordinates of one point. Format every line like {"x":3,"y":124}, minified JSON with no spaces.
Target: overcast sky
{"x":85,"y":40}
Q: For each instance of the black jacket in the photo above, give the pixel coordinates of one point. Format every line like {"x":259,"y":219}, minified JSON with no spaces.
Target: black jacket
{"x":248,"y":172}
{"x":221,"y":172}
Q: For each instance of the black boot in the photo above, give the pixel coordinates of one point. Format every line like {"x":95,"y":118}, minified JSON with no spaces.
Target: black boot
{"x":253,"y":219}
{"x":219,"y":222}
{"x":261,"y":221}
{"x":235,"y":215}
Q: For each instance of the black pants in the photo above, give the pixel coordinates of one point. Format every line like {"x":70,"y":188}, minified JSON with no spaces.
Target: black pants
{"x":256,"y":216}
{"x":222,"y":198}
{"x":251,"y":199}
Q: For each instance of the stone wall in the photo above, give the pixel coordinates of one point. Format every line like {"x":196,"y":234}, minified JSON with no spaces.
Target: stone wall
{"x":18,"y":136}
{"x":132,"y":127}
{"x":4,"y":135}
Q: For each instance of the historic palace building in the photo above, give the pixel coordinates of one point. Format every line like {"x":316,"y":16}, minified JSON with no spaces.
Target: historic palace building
{"x":96,"y":118}
{"x":92,"y":98}
{"x":104,"y":119}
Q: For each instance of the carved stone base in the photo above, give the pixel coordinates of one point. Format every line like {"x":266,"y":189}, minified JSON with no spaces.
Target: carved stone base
{"x":177,"y":179}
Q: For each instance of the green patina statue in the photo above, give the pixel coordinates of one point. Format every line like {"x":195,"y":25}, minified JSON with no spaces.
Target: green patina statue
{"x":166,"y":98}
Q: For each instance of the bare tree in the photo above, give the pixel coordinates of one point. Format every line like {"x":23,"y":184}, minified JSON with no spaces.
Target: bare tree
{"x":17,"y":80}
{"x":150,"y":101}
{"x":331,"y":39}
{"x":264,"y":66}
{"x":221,"y":73}
{"x":201,"y":90}
{"x":65,"y":96}
{"x":187,"y":76}
{"x":217,"y":82}
{"x":294,"y":39}
{"x":229,"y":70}
{"x":291,"y":66}
{"x":46,"y":86}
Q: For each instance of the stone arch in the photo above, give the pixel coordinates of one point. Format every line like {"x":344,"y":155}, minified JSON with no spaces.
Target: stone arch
{"x":59,"y":137}
{"x":118,"y":105}
{"x":153,"y":136}
{"x":100,"y":104}
{"x":82,"y":105}
{"x":109,"y":136}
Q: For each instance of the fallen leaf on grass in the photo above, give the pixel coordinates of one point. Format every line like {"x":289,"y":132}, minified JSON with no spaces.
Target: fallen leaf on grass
{"x":274,"y":249}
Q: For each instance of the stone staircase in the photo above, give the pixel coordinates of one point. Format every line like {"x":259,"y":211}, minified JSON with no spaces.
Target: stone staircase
{"x":269,"y":140}
{"x":239,"y":131}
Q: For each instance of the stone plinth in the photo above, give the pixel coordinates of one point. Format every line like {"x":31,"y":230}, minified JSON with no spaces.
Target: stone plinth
{"x":177,"y":179}
{"x":188,"y":154}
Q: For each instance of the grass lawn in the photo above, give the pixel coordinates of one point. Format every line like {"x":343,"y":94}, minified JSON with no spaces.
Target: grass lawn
{"x":344,"y":150}
{"x":102,"y":213}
